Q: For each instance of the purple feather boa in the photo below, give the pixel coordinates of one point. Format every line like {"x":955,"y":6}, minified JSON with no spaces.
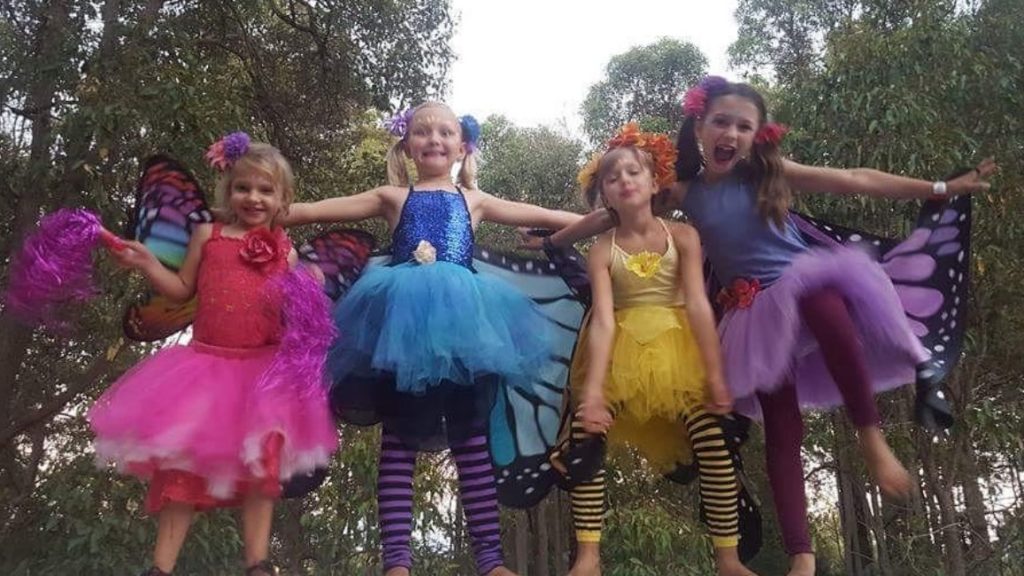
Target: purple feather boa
{"x":54,"y":268}
{"x":308,"y":334}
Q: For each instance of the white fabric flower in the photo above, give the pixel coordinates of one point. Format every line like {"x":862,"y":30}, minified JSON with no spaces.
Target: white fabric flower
{"x":425,"y":253}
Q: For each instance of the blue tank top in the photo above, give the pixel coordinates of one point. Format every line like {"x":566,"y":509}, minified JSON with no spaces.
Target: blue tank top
{"x":439,"y":217}
{"x":738,"y":241}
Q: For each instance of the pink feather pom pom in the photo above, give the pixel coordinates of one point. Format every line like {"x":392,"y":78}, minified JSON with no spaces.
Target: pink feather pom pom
{"x":308,"y":335}
{"x":54,"y":268}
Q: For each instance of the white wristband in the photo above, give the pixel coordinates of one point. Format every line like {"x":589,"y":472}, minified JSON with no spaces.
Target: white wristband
{"x":939,"y":189}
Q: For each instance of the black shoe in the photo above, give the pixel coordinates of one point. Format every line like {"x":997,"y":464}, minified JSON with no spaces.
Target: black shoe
{"x":154,"y":571}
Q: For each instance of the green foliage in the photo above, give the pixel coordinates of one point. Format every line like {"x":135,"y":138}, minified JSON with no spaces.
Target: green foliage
{"x":534,"y":165}
{"x":644,"y":85}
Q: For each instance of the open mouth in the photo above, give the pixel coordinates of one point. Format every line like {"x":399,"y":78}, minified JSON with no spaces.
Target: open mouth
{"x":724,"y":154}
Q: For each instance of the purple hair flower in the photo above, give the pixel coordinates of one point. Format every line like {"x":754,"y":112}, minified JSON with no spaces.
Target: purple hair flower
{"x":398,"y":124}
{"x":695,"y":100}
{"x":226,"y":151}
{"x":712,"y":83}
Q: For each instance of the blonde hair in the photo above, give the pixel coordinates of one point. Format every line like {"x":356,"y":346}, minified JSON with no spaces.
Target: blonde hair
{"x":261,"y":158}
{"x":593,"y":195}
{"x":398,"y":160}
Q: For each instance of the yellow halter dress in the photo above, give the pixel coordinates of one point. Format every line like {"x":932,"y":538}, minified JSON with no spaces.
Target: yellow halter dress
{"x":656,"y":374}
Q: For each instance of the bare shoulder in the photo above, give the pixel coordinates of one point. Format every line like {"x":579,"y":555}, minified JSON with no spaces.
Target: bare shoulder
{"x":202,"y":232}
{"x":391,"y":193}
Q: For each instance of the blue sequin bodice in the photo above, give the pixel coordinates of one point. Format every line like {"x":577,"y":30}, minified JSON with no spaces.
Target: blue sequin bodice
{"x":439,"y":217}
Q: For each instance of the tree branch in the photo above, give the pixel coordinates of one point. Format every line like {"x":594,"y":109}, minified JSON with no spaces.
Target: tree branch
{"x":99,"y":369}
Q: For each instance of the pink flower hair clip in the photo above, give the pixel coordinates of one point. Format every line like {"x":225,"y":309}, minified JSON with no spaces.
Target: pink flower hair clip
{"x":695,"y":100}
{"x":226,"y":151}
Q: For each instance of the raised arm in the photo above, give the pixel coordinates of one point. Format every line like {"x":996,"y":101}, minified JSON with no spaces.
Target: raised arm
{"x":593,"y":411}
{"x":175,"y":286}
{"x":369,"y":204}
{"x":881,"y":184}
{"x":700,"y":315}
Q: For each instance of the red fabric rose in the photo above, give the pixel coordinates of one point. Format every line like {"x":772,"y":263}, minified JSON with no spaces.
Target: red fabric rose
{"x":771,"y":133}
{"x":740,"y":294}
{"x":260,"y":248}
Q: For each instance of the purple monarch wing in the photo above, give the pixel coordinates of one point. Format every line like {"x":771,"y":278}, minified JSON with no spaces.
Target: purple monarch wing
{"x":169,"y":204}
{"x":929,"y":270}
{"x":340,"y":254}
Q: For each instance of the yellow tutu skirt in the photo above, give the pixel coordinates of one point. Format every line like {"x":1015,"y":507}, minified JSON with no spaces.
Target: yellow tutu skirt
{"x":656,"y":377}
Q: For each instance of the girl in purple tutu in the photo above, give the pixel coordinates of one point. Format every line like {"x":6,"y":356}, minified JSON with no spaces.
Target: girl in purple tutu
{"x":804,"y":327}
{"x":223,"y":420}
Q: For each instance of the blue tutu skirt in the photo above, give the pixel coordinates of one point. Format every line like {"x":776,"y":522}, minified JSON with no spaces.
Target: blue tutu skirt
{"x":424,"y":347}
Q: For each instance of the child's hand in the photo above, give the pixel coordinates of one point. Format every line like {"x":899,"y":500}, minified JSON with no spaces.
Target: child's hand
{"x":974,"y":181}
{"x":719,"y":399}
{"x":594,"y":414}
{"x":134,"y":255}
{"x":529,"y":239}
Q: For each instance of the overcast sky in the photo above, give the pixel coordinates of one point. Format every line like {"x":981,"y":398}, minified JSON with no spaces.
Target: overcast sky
{"x":533,"y":60}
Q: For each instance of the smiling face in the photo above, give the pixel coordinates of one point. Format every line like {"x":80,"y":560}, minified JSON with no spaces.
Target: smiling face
{"x":253,"y":197}
{"x":434,"y":141}
{"x":726,"y":132}
{"x":626,"y":178}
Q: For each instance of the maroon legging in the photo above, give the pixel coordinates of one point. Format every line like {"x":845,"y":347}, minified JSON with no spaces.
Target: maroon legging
{"x":828,"y":319}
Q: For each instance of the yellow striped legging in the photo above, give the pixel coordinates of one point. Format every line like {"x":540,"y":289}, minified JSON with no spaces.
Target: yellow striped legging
{"x":719,"y":491}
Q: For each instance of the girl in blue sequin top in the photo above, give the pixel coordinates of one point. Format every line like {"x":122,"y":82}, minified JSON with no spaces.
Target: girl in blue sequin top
{"x":426,"y":340}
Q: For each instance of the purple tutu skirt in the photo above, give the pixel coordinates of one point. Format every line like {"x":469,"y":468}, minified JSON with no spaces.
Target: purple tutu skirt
{"x":200,"y":409}
{"x":767,"y":344}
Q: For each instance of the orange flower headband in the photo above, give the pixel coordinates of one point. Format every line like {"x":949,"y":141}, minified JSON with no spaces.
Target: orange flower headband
{"x":659,"y":146}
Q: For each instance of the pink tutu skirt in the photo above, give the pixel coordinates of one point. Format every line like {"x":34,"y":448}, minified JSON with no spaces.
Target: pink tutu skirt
{"x":196,"y":421}
{"x":768,"y":344}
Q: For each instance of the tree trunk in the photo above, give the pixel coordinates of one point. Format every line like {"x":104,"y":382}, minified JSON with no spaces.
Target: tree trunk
{"x":14,"y":338}
{"x":853,"y":508}
{"x":522,"y":544}
{"x":952,"y":543}
{"x":543,"y":567}
{"x":561,"y":534}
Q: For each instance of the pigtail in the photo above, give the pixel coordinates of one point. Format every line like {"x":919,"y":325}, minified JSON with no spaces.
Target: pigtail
{"x":689,"y":162}
{"x":398,"y":170}
{"x":467,"y":171}
{"x":774,"y":195}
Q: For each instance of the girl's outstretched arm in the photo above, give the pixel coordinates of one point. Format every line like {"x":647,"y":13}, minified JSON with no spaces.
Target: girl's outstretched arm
{"x":601,"y":219}
{"x":500,"y":211}
{"x":593,"y":411}
{"x":175,"y":286}
{"x":369,"y":204}
{"x":702,"y":319}
{"x":881,"y":184}
{"x":585,"y":226}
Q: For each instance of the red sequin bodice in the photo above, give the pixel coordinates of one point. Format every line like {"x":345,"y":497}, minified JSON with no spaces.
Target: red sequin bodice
{"x":237,"y":306}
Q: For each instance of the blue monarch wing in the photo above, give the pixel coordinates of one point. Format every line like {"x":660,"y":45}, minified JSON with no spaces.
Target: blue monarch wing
{"x":930,"y":272}
{"x":169,"y":204}
{"x":525,"y":421}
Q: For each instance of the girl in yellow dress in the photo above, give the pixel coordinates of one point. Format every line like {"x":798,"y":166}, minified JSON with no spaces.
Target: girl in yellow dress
{"x":648,"y":368}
